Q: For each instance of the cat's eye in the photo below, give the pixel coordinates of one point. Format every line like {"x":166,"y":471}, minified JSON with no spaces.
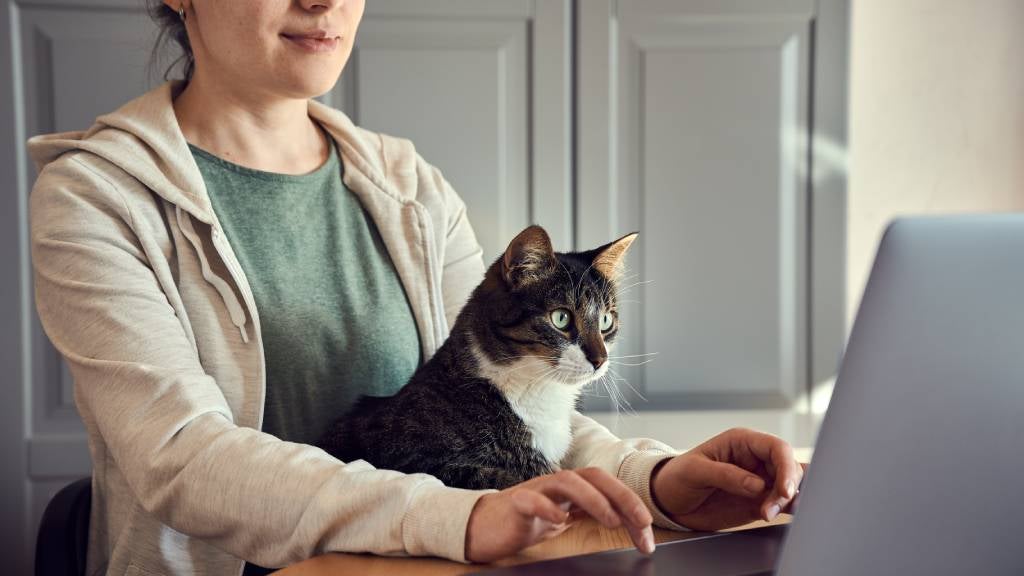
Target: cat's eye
{"x":606,"y":321}
{"x":560,"y":318}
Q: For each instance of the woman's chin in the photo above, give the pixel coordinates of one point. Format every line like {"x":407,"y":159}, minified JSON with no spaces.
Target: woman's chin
{"x":310,"y":84}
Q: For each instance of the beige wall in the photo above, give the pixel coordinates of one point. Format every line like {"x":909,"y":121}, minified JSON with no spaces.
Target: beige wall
{"x":936,"y":115}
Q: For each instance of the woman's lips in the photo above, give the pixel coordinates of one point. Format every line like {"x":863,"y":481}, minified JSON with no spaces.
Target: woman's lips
{"x":313,"y":44}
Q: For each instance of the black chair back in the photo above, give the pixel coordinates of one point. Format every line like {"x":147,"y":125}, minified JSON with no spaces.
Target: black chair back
{"x":64,"y":531}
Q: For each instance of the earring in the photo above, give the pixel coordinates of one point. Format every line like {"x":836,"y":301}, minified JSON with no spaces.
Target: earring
{"x":181,"y":11}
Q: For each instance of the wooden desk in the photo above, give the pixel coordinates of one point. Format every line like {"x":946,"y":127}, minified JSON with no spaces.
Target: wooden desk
{"x":584,"y":537}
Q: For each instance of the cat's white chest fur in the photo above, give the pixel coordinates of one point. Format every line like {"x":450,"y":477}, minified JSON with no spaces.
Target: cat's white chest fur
{"x":540,"y":397}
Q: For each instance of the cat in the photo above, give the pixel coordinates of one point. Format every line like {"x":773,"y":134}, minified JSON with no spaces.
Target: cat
{"x":492,"y":407}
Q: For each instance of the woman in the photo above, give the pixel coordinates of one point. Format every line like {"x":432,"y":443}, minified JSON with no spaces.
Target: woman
{"x":177,"y":248}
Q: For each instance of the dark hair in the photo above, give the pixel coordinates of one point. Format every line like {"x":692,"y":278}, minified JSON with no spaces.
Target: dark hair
{"x":171,"y":28}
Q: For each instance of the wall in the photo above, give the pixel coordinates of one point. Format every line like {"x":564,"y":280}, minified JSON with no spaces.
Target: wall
{"x":936,"y":115}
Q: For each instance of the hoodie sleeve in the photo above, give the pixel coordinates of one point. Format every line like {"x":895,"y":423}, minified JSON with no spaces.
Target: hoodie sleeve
{"x":167,"y":427}
{"x":631,"y":460}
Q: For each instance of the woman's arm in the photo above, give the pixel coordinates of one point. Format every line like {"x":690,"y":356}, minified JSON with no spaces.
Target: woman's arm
{"x":167,"y":427}
{"x":631,"y":460}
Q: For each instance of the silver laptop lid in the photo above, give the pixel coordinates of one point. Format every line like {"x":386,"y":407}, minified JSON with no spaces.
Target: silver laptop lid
{"x":919,"y":464}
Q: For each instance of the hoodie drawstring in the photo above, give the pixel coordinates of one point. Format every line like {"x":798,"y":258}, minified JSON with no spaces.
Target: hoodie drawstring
{"x":226,"y":293}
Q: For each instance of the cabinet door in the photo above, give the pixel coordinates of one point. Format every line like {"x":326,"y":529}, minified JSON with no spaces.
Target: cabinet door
{"x":693,"y":129}
{"x":482,"y":88}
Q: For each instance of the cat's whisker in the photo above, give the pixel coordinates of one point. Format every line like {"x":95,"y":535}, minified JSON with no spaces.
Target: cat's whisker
{"x":618,"y":401}
{"x":633,"y":355}
{"x":604,"y":382}
{"x":625,"y":289}
{"x":623,"y":405}
{"x":635,"y":391}
{"x":618,"y":363}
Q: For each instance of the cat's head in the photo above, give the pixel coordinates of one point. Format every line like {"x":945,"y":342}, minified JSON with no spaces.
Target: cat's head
{"x":541,"y":316}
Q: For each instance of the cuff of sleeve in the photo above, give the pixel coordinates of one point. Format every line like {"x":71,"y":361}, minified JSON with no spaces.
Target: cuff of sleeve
{"x":635,"y":473}
{"x":435,"y":523}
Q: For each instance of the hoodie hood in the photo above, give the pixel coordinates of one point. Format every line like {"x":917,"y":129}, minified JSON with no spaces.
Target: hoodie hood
{"x":143,"y":138}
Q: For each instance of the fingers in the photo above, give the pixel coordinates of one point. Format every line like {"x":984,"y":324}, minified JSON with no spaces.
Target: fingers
{"x":780,"y":463}
{"x":629,"y":506}
{"x":760,"y":452}
{"x":724,"y":476}
{"x":534,"y":504}
{"x":605,"y":499}
{"x":792,"y":506}
{"x":788,"y":475}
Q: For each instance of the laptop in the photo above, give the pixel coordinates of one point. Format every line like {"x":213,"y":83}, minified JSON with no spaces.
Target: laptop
{"x":919,"y":463}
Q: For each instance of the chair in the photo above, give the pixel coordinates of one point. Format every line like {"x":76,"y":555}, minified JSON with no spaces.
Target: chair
{"x":64,"y":531}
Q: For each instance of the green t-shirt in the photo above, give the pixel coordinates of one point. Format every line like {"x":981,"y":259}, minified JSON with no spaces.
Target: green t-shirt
{"x":335,"y":320}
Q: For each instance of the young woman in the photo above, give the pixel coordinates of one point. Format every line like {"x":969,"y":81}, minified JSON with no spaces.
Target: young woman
{"x":194,"y":251}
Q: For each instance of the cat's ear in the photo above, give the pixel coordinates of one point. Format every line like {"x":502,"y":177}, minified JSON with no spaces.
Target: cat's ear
{"x":528,"y":257}
{"x":609,"y":258}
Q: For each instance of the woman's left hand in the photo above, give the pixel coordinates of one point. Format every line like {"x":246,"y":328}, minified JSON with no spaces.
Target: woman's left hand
{"x":734,"y":478}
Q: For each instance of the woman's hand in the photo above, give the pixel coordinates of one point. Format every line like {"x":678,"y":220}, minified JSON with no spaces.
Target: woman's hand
{"x":505,"y":522}
{"x":734,"y":478}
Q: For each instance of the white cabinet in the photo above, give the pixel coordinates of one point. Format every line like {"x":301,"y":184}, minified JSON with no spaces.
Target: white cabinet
{"x":694,"y":124}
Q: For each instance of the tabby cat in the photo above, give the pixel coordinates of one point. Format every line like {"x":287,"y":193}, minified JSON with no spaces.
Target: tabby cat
{"x":492,"y":408}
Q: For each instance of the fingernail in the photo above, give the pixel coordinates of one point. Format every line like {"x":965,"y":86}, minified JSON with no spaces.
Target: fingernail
{"x":648,"y":541}
{"x":773,"y":511}
{"x":752,"y":484}
{"x":790,"y":489}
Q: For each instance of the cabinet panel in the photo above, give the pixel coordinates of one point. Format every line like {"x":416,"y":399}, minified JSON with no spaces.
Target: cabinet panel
{"x":700,"y":144}
{"x":721,"y":202}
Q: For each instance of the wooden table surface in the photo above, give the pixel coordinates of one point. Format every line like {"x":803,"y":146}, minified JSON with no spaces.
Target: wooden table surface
{"x":585,"y":536}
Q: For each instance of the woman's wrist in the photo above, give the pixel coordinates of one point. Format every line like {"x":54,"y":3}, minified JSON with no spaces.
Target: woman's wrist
{"x":654,"y":492}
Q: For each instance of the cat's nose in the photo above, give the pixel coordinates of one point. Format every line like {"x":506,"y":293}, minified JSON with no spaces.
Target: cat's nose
{"x":596,"y":360}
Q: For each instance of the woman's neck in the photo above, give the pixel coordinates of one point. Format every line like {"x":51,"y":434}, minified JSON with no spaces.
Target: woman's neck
{"x":259,"y":131}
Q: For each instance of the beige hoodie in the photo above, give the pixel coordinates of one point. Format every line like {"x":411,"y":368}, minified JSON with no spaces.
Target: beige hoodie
{"x":139,"y":290}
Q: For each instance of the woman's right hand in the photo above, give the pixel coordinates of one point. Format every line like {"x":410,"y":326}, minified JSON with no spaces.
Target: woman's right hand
{"x":505,"y":522}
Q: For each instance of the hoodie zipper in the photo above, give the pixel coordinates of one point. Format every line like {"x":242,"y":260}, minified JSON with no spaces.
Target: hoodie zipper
{"x":237,"y":274}
{"x":227,"y":294}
